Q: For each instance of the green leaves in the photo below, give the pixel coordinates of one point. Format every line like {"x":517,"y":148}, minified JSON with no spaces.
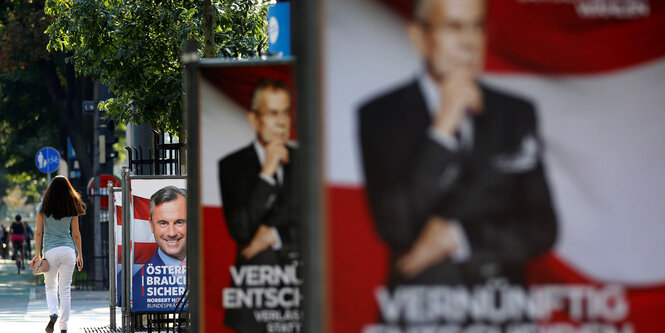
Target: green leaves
{"x":133,"y":47}
{"x":26,"y":188}
{"x":27,"y":119}
{"x":241,"y":30}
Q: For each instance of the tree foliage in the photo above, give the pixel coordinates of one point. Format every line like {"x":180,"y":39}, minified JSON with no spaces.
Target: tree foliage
{"x":22,"y":24}
{"x":37,"y":95}
{"x":27,"y":120}
{"x":241,"y":28}
{"x":134,"y":48}
{"x":25,"y":189}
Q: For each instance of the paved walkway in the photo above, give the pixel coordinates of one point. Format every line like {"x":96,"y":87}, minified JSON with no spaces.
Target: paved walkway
{"x":23,"y":305}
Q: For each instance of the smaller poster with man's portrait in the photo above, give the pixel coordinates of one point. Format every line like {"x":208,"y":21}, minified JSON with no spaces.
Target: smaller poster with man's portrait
{"x":159,"y":236}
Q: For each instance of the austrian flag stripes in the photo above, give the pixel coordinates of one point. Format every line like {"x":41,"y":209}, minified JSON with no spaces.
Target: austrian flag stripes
{"x":594,"y":71}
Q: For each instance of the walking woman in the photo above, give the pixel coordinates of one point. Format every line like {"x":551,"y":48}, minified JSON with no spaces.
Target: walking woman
{"x":60,"y":209}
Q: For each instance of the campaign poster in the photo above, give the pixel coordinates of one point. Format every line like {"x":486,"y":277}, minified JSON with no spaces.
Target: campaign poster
{"x":248,"y":145}
{"x":159,"y":235}
{"x":117,"y":215}
{"x":494,"y":166}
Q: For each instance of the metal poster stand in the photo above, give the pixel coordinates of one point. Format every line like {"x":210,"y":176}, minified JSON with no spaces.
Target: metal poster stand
{"x":129,"y":316}
{"x":113,"y":302}
{"x":126,"y":253}
{"x":309,"y":184}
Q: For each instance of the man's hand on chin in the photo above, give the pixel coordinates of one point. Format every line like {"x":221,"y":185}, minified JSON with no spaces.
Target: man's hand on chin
{"x":460,"y":95}
{"x":276,"y":153}
{"x":434,"y":244}
{"x":263,"y":239}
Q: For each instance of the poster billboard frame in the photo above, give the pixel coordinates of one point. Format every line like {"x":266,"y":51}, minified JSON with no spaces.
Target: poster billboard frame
{"x":128,"y":313}
{"x":113,"y":283}
{"x":309,"y":186}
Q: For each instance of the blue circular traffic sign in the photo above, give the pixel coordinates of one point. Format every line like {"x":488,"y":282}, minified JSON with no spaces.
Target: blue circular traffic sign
{"x":47,"y":160}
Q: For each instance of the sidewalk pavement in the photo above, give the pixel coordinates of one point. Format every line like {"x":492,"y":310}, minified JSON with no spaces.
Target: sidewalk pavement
{"x":23,"y":305}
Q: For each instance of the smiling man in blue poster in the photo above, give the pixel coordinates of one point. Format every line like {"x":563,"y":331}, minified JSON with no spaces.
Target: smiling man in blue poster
{"x":159,"y":284}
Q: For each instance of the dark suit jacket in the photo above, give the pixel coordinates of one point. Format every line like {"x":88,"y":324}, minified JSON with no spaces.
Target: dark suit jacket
{"x":140,"y":293}
{"x":497,"y":190}
{"x":248,"y":202}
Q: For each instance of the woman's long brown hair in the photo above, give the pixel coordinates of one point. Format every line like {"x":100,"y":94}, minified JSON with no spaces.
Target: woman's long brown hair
{"x":62,"y":200}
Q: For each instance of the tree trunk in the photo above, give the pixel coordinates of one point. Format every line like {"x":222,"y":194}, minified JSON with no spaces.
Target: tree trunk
{"x":208,"y":31}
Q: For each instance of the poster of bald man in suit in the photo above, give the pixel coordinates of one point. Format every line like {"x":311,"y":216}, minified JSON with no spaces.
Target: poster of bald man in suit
{"x":249,"y":197}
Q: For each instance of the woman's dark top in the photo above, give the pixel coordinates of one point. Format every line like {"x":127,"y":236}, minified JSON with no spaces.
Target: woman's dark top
{"x":17,"y":228}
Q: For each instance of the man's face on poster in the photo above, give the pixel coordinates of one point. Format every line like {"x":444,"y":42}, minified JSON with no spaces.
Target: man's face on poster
{"x":450,"y":34}
{"x":271,"y":119}
{"x":168,"y":223}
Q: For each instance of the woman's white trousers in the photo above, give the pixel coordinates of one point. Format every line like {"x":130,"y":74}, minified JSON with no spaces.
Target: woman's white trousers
{"x":61,"y":261}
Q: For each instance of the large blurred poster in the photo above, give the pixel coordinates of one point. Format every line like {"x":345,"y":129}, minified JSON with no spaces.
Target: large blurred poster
{"x":495,"y":166}
{"x":249,"y":205}
{"x":159,"y":235}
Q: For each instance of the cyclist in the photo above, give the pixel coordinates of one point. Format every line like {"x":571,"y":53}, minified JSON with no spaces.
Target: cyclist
{"x":28,"y":238}
{"x":5,"y":242}
{"x":17,"y":231}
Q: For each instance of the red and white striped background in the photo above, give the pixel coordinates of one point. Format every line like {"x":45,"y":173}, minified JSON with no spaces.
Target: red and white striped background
{"x":597,"y":80}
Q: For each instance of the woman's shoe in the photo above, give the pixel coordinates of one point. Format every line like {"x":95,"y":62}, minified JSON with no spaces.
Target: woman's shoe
{"x":63,"y":331}
{"x":51,"y":323}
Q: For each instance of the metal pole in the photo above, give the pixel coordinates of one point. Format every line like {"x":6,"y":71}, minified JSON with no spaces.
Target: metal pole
{"x":48,"y":179}
{"x":306,"y":46}
{"x":194,"y":243}
{"x":126,"y":253}
{"x":97,"y":230}
{"x":112,"y":277}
